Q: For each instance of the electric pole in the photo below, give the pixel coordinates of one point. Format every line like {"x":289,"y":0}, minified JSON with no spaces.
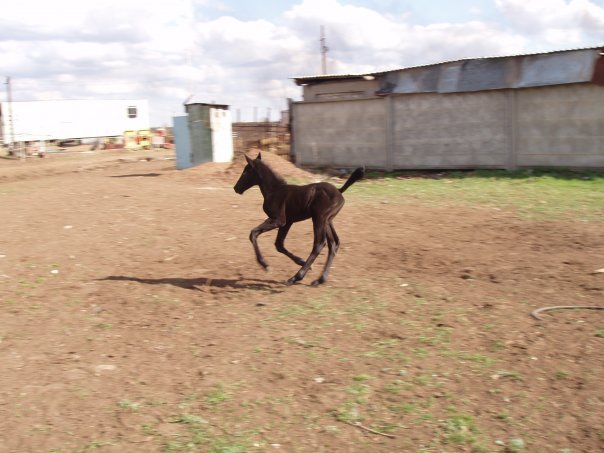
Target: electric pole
{"x":9,"y":97}
{"x":324,"y":50}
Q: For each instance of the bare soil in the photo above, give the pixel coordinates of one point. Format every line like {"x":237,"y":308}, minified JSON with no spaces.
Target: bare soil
{"x":134,"y":318}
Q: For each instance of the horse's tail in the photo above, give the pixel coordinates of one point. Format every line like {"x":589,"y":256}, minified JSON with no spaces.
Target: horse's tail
{"x":354,"y":177}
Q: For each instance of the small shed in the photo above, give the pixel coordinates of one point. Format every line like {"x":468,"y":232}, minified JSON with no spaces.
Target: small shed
{"x":204,"y":134}
{"x":533,"y":110}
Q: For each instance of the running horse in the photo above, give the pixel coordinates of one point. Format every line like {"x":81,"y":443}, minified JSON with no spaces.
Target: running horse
{"x":286,"y":204}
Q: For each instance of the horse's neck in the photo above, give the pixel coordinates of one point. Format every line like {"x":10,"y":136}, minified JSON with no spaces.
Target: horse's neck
{"x":269,"y":181}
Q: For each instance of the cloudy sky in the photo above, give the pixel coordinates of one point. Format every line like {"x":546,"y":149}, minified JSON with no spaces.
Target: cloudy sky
{"x":244,"y":52}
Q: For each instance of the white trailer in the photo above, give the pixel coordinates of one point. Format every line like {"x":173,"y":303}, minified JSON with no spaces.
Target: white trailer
{"x":71,"y":119}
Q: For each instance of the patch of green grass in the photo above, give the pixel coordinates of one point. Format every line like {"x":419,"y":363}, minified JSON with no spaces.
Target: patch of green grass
{"x":129,"y":405}
{"x":361,"y":378}
{"x":422,"y":379}
{"x":217,"y":395}
{"x":533,"y":193}
{"x":395,"y":387}
{"x":188,"y":400}
{"x":497,"y":346}
{"x":600,"y":333}
{"x":477,"y":358}
{"x":421,"y":352}
{"x":474,"y":357}
{"x":515,"y":445}
{"x":404,"y":408}
{"x":460,"y":429}
{"x":384,"y":427}
{"x":189,"y":419}
{"x":357,"y":395}
{"x":385,"y":349}
{"x":440,"y":337}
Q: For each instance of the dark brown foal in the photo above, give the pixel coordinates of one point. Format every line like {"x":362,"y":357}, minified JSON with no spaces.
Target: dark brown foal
{"x":286,"y":204}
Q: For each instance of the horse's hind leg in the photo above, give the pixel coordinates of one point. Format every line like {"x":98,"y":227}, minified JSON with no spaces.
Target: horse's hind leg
{"x":333,"y":243}
{"x":320,"y":228}
{"x":265,"y":226}
{"x":280,"y":245}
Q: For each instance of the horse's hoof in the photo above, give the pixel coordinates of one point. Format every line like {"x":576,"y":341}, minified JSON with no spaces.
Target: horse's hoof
{"x":318,"y":282}
{"x":291,"y":281}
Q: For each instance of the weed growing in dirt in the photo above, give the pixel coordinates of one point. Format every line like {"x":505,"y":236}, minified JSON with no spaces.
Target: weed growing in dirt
{"x":460,"y":429}
{"x":201,"y":437}
{"x":357,"y":395}
{"x":217,"y":395}
{"x":129,"y":405}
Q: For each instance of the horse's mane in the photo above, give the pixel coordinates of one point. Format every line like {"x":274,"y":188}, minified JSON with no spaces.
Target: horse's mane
{"x":267,"y":174}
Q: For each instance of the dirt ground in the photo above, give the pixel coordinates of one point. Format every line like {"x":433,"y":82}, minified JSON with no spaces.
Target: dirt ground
{"x":134,"y":318}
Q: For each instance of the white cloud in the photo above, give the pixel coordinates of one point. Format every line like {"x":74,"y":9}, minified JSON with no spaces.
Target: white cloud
{"x":162,"y":51}
{"x":556,"y":22}
{"x":363,"y":40}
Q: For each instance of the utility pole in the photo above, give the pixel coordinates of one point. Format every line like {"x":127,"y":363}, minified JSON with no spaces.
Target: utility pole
{"x":324,"y":50}
{"x":9,"y":97}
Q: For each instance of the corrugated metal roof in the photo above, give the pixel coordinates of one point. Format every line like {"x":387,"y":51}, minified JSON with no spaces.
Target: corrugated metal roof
{"x":318,"y":78}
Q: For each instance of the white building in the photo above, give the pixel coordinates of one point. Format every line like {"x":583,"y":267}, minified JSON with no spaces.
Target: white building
{"x":71,"y":119}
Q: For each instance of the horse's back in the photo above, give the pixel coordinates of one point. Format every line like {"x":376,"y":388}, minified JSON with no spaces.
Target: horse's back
{"x":312,"y":200}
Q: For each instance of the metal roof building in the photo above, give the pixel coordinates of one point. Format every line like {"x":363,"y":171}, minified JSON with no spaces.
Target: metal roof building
{"x":544,"y":109}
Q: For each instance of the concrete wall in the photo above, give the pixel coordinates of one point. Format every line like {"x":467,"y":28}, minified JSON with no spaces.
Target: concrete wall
{"x":453,"y":130}
{"x":560,"y":126}
{"x":342,"y":133}
{"x":555,"y":126}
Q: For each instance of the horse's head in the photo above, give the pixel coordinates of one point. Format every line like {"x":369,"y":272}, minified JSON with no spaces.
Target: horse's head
{"x":249,"y":177}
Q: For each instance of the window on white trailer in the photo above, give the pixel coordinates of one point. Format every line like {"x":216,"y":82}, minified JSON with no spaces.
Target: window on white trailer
{"x":132,"y":112}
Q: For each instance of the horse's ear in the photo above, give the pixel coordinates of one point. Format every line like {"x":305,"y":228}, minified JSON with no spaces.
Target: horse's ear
{"x":249,"y":161}
{"x":259,"y":157}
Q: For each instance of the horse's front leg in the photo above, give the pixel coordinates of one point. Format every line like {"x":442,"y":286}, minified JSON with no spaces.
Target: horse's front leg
{"x":280,"y":245}
{"x":267,"y":225}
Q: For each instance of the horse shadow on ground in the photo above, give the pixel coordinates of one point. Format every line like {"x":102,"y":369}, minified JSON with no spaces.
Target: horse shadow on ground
{"x":204,"y":283}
